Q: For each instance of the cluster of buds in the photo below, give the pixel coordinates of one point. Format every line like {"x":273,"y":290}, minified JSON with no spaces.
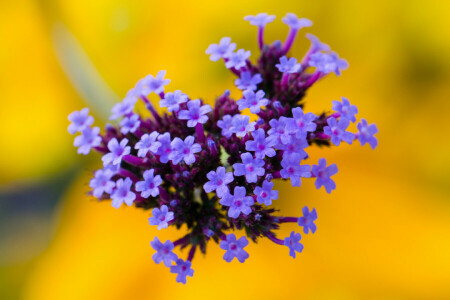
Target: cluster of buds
{"x":213,"y":169}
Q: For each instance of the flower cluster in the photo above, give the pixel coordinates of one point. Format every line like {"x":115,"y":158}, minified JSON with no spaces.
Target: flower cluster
{"x":212,"y":169}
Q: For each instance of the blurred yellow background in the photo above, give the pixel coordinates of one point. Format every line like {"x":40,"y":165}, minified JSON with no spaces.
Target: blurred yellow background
{"x":383,"y":234}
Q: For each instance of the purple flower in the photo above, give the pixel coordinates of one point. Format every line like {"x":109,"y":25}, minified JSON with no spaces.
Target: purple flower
{"x":307,"y":221}
{"x":346,"y":110}
{"x":164,"y":252}
{"x":234,"y":248}
{"x":150,"y":184}
{"x":264,"y":194}
{"x":260,"y":20}
{"x":316,"y":44}
{"x":261,"y":145}
{"x":252,"y":100}
{"x":218,"y":181}
{"x":337,"y":131}
{"x":147,"y":143}
{"x":250,"y":167}
{"x":173,"y":100}
{"x":102,"y":183}
{"x":117,"y":151}
{"x":293,"y":242}
{"x":195,"y":114}
{"x":303,"y":123}
{"x":294,"y":22}
{"x":122,"y":193}
{"x":221,"y":50}
{"x":123,"y":108}
{"x":328,"y":62}
{"x":293,"y":170}
{"x":241,"y":125}
{"x":237,"y":59}
{"x":288,"y":65}
{"x":153,"y":84}
{"x":280,"y":129}
{"x":366,"y":133}
{"x":323,"y":174}
{"x":183,"y":269}
{"x":247,"y":81}
{"x":226,"y":125}
{"x":161,"y":217}
{"x":239,"y":202}
{"x":297,"y":145}
{"x":165,"y":147}
{"x":88,"y":139}
{"x":130,"y":124}
{"x":80,"y":120}
{"x":184,"y":150}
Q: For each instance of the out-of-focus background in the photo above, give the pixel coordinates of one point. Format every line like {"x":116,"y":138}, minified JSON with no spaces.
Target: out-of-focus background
{"x":383,"y":234}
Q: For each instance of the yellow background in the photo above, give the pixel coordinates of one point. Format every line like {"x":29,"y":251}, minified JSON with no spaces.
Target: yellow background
{"x":383,"y":234}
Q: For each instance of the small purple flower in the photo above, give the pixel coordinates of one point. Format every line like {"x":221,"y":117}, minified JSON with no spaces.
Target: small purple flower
{"x":153,"y":84}
{"x":297,"y":145}
{"x":218,"y":181}
{"x":303,"y":123}
{"x":250,"y":167}
{"x":239,"y":202}
{"x":247,"y":81}
{"x":261,"y":145}
{"x":183,"y":269}
{"x":366,"y":133}
{"x":123,"y":108}
{"x":265,"y":194}
{"x":336,"y":130}
{"x":226,"y":125}
{"x":253,"y":101}
{"x":161,"y":217}
{"x":150,"y":184}
{"x":323,"y":174}
{"x":288,"y":65}
{"x":80,"y":120}
{"x":328,"y":62}
{"x":164,"y":252}
{"x":316,"y":44}
{"x":195,"y":113}
{"x":102,"y":183}
{"x":234,"y":248}
{"x":237,"y":59}
{"x":123,"y":193}
{"x":346,"y":110}
{"x":147,"y":143}
{"x":173,"y":100}
{"x":221,"y":50}
{"x":184,"y":150}
{"x":295,"y":23}
{"x":117,"y":151}
{"x":88,"y":139}
{"x":241,"y":125}
{"x":293,"y":242}
{"x":307,"y":221}
{"x":165,"y":147}
{"x":293,"y":170}
{"x":260,"y":20}
{"x":130,"y":124}
{"x":280,"y":129}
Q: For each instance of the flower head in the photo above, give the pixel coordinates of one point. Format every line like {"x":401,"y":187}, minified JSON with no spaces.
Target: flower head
{"x":195,"y":113}
{"x":241,"y":125}
{"x":293,"y":170}
{"x":221,"y":50}
{"x":147,"y":143}
{"x":122,"y":193}
{"x":307,"y":221}
{"x":218,"y":181}
{"x":182,"y":269}
{"x":337,"y":131}
{"x":323,"y":174}
{"x":247,"y":81}
{"x":130,"y":124}
{"x":288,"y":65}
{"x":366,"y":133}
{"x":165,"y":147}
{"x":261,"y":145}
{"x":303,"y":123}
{"x":184,"y":150}
{"x":260,"y":20}
{"x":253,"y":101}
{"x":345,"y":109}
{"x":316,"y":44}
{"x":117,"y":151}
{"x":149,"y":186}
{"x":80,"y":120}
{"x":152,"y":84}
{"x":102,"y":183}
{"x":234,"y":248}
{"x":328,"y":62}
{"x":293,"y":242}
{"x":123,"y":108}
{"x":226,"y":125}
{"x":173,"y":100}
{"x":294,"y":22}
{"x":88,"y":139}
{"x":238,"y":59}
{"x":265,"y":194}
{"x":161,"y":217}
{"x":164,"y":252}
{"x":238,"y":203}
{"x":250,"y":167}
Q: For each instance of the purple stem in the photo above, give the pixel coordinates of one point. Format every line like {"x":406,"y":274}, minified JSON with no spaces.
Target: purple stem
{"x":285,"y":80}
{"x":200,"y":133}
{"x":134,"y":160}
{"x":191,"y":253}
{"x":312,"y":79}
{"x":151,"y":108}
{"x":261,"y":37}
{"x":181,"y":240}
{"x":276,"y":175}
{"x":335,"y":115}
{"x":321,"y":135}
{"x":126,"y":173}
{"x":289,"y":40}
{"x":287,"y":220}
{"x":305,"y":59}
{"x":272,"y":237}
